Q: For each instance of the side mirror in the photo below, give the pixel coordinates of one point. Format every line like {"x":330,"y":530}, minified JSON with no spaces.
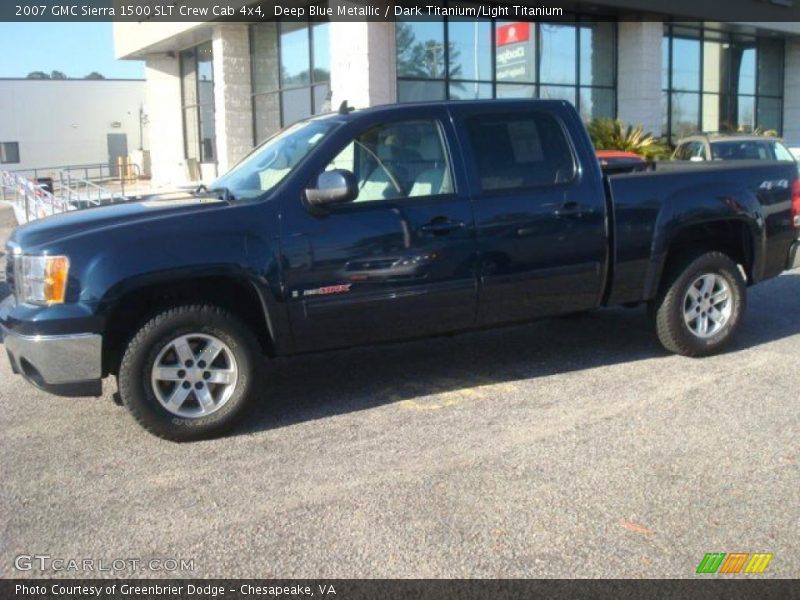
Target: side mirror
{"x":333,"y":187}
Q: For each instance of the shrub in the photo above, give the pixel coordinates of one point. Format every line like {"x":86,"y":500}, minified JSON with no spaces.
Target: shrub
{"x":611,"y":134}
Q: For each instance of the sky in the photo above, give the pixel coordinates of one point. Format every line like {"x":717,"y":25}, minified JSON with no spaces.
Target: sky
{"x":76,"y":49}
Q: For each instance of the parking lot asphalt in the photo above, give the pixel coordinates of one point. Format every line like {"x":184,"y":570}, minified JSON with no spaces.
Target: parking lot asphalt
{"x":565,"y":448}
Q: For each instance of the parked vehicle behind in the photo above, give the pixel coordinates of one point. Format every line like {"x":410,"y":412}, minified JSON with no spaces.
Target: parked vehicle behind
{"x":381,"y":224}
{"x":704,"y":147}
{"x":616,"y":161}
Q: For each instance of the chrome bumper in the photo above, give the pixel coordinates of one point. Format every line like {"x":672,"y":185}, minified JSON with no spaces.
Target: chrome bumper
{"x":67,"y":365}
{"x":794,"y":256}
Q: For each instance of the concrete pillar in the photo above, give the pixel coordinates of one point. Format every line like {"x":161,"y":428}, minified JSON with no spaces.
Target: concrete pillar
{"x":791,"y":94}
{"x":164,"y":119}
{"x":639,"y":74}
{"x":363,"y":70}
{"x":233,"y":121}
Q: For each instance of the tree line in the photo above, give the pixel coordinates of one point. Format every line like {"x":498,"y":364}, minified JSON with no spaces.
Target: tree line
{"x":60,"y":75}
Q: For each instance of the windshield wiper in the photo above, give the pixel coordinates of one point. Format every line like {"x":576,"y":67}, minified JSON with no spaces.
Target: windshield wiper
{"x":223,"y":193}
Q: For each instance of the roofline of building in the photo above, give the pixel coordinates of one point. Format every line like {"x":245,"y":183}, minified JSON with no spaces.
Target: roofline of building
{"x":142,"y":79}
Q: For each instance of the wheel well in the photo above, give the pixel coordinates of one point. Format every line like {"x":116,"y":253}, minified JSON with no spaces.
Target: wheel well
{"x":732,"y":238}
{"x":130,"y":312}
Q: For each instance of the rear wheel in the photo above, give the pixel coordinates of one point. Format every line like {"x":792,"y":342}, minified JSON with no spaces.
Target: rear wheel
{"x":189,"y":372}
{"x":700,"y":306}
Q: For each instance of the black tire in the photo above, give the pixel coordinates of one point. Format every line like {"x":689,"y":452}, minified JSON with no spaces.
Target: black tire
{"x":134,"y":377}
{"x":667,"y":311}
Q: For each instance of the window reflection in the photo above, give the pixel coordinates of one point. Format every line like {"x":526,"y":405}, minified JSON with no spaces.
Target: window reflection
{"x":470,"y":49}
{"x":420,"y":49}
{"x":197,"y":93}
{"x":558,"y":54}
{"x":467,"y":59}
{"x":290,"y":65}
{"x":685,"y":64}
{"x":740,"y":77}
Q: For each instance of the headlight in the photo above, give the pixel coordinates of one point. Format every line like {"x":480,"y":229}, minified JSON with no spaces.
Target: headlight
{"x":41,"y":279}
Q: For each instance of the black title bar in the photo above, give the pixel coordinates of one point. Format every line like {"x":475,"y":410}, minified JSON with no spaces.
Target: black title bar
{"x":386,"y":10}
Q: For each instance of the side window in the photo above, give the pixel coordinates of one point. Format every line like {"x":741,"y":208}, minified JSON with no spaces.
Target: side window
{"x":782,"y":153}
{"x":690,"y":150}
{"x":397,"y":160}
{"x":681,"y":153}
{"x":514,"y":150}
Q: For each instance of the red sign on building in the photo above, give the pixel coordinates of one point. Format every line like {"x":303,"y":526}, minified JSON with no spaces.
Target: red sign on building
{"x":513,"y":33}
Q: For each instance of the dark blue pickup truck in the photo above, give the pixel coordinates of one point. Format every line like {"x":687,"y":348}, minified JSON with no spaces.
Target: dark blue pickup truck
{"x":382,"y":224}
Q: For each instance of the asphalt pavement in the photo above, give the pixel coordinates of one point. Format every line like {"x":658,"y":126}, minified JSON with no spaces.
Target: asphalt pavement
{"x":565,"y":448}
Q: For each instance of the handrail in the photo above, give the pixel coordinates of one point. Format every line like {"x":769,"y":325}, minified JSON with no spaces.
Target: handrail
{"x":31,"y":199}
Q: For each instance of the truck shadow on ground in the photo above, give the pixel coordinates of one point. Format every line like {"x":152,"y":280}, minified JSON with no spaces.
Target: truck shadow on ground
{"x":423,"y":372}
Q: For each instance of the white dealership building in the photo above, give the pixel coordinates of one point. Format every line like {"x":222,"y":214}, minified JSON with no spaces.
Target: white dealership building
{"x":214,"y":90}
{"x":47,"y":123}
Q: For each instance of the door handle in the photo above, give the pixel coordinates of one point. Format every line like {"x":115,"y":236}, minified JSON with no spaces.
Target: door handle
{"x":569,"y":210}
{"x":442,"y":226}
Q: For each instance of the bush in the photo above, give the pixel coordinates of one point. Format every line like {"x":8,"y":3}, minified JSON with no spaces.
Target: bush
{"x":611,"y":134}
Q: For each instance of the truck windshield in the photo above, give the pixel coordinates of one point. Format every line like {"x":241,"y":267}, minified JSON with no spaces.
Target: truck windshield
{"x":268,"y":164}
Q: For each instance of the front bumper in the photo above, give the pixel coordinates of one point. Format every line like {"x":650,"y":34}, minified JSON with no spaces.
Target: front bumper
{"x":65,"y":365}
{"x":794,"y":256}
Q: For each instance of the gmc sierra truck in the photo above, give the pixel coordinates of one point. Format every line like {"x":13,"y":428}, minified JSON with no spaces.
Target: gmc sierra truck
{"x":380,"y":224}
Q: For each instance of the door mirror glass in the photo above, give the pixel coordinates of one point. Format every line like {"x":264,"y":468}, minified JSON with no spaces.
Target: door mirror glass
{"x":333,"y":187}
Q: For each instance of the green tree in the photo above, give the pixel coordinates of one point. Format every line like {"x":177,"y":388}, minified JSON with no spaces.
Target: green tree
{"x":37,"y":75}
{"x":57,"y":75}
{"x":95,"y":75}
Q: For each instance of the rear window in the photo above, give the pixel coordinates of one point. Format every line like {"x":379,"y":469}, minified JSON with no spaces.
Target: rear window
{"x":750,"y":150}
{"x":514,"y":150}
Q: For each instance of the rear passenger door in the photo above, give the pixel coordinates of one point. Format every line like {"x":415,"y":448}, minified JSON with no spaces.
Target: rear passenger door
{"x":539,"y":217}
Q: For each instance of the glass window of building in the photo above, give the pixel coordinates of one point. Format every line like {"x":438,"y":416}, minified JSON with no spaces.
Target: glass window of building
{"x":290,"y":64}
{"x":467,"y":59}
{"x":716,"y":81}
{"x":197,"y":97}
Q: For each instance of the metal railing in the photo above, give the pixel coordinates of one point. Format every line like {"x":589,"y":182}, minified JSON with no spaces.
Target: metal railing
{"x":82,"y":193}
{"x":124,"y":172}
{"x":30,"y":200}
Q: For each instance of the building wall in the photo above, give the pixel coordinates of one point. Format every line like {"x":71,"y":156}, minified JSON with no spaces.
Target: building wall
{"x":65,"y":122}
{"x":163,"y":107}
{"x":363,"y":64}
{"x":232,"y":94}
{"x":791,"y":94}
{"x":639,"y":74}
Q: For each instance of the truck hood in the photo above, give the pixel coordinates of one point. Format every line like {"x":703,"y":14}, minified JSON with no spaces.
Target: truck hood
{"x":74,"y":223}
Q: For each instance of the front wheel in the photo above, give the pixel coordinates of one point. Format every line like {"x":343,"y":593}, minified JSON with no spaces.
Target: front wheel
{"x":700,"y":305}
{"x":189,"y":372}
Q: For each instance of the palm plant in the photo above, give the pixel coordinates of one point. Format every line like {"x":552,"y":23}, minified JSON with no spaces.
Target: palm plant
{"x":613,"y":134}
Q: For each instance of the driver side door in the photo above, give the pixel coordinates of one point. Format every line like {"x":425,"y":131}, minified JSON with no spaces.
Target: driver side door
{"x":397,"y":262}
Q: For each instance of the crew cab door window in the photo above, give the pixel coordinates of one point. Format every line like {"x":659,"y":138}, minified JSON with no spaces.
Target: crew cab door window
{"x":399,"y":160}
{"x":540,"y":227}
{"x":520,"y":151}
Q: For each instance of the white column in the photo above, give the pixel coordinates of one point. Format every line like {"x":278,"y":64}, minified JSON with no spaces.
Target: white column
{"x":233,"y":119}
{"x":362,"y":64}
{"x":164,"y":119}
{"x":639,"y":74}
{"x":791,"y":94}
